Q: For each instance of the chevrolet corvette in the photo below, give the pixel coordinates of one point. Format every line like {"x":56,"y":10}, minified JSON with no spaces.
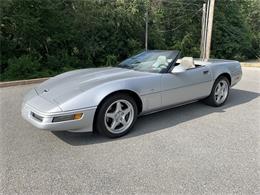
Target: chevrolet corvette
{"x":109,"y":99}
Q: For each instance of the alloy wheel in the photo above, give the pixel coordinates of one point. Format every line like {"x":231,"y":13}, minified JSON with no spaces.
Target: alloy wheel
{"x":221,"y":92}
{"x":119,"y":116}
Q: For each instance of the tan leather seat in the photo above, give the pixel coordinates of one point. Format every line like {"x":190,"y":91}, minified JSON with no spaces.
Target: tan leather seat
{"x":187,"y":63}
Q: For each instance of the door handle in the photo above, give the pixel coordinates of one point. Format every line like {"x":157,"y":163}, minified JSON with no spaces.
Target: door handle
{"x":205,"y":72}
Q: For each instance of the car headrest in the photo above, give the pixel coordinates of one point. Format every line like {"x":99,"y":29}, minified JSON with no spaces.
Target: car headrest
{"x":187,"y":62}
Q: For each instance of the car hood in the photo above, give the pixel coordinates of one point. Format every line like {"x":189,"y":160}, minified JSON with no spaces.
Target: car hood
{"x":67,"y":85}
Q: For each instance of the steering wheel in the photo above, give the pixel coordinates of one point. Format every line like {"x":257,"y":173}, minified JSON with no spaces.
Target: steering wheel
{"x":162,"y":66}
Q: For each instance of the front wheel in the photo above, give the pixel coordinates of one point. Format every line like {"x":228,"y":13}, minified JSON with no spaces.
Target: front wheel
{"x":116,"y":115}
{"x":219,"y":92}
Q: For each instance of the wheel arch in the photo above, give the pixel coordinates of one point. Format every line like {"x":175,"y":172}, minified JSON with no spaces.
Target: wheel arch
{"x":209,"y":100}
{"x":225,"y":74}
{"x":131,"y":93}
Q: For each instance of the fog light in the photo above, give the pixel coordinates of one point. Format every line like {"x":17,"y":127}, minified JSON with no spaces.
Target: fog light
{"x":67,"y":117}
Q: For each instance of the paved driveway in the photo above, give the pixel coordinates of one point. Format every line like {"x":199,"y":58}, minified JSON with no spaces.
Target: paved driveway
{"x":191,"y":149}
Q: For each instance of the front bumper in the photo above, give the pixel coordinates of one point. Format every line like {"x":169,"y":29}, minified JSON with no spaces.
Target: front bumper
{"x":45,"y":120}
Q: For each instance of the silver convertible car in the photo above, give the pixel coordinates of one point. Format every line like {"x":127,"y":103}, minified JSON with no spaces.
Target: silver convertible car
{"x":110,"y":99}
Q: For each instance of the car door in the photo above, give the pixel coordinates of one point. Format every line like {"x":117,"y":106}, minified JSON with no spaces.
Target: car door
{"x":189,"y":85}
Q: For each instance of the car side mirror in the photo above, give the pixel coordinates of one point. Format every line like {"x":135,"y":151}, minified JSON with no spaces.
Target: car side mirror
{"x":178,"y":69}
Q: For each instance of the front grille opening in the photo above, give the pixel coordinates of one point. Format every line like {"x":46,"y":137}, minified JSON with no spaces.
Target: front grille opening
{"x":36,"y":116}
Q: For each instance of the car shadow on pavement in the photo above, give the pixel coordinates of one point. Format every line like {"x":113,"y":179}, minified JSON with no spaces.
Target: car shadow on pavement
{"x":161,"y":120}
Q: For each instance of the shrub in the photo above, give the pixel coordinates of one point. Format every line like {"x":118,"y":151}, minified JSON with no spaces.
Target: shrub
{"x":62,"y":61}
{"x":111,"y":60}
{"x":24,"y":67}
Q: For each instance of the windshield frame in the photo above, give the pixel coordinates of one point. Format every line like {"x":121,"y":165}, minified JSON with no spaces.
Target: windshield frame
{"x":174,"y":53}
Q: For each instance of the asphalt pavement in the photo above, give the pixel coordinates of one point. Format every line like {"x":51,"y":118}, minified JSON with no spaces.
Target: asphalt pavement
{"x":193,"y":149}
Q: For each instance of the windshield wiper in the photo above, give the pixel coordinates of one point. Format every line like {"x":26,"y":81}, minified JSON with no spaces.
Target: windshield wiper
{"x":125,"y":66}
{"x":137,"y":62}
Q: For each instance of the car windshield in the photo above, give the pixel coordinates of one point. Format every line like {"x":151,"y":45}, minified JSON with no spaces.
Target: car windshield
{"x":150,"y":61}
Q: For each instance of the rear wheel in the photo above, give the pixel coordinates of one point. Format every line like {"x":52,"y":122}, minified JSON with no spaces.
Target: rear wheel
{"x":116,"y":115}
{"x":219,"y":92}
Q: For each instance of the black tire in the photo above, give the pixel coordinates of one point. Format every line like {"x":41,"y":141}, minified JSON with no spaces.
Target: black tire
{"x":211,"y":100}
{"x":100,"y":125}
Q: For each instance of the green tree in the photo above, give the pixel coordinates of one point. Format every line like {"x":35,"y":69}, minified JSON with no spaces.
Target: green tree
{"x":54,"y":36}
{"x":231,"y":35}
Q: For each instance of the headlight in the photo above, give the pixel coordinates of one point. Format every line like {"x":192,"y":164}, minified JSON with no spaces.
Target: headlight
{"x":67,"y":117}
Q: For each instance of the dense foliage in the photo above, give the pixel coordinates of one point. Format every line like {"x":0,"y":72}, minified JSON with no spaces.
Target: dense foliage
{"x":45,"y":37}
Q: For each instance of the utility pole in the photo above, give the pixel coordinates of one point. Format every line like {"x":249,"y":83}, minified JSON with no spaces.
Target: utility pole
{"x":146,"y":24}
{"x":206,"y":29}
{"x":203,"y":32}
{"x":209,"y":28}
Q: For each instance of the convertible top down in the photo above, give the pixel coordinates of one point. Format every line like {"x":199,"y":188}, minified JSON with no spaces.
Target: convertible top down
{"x":109,"y":99}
